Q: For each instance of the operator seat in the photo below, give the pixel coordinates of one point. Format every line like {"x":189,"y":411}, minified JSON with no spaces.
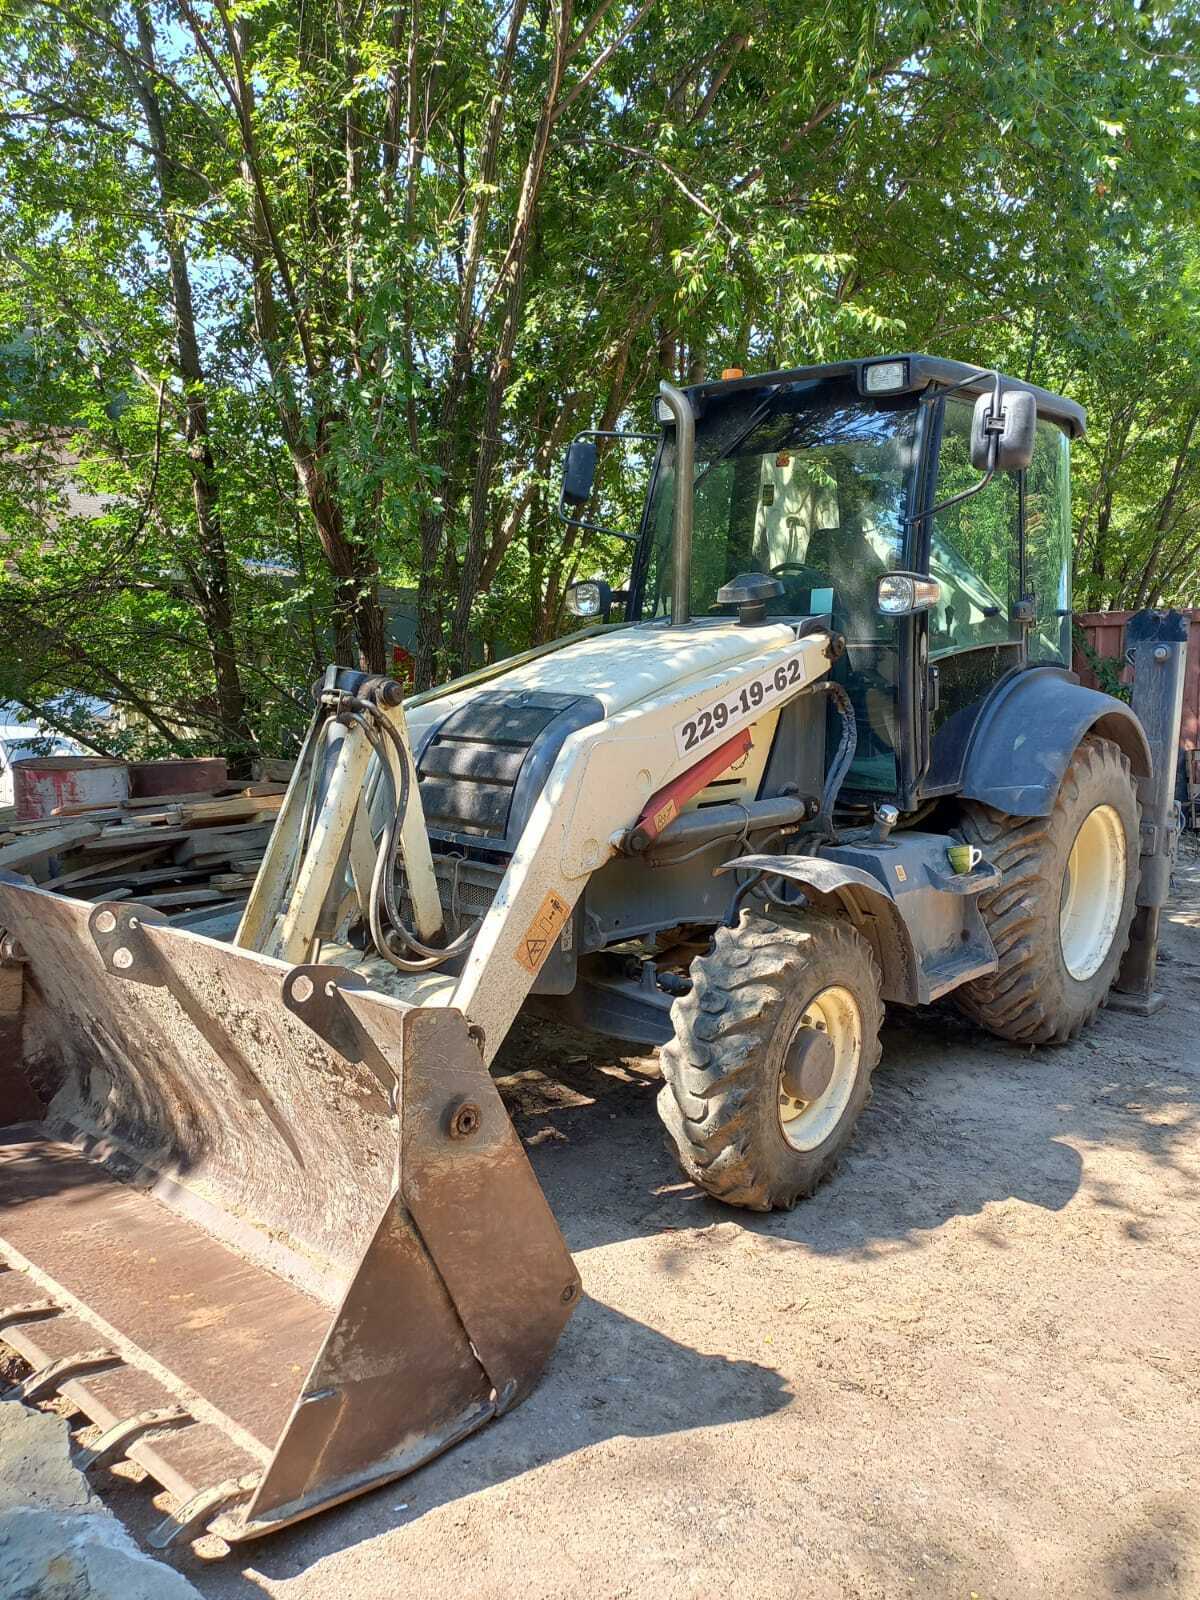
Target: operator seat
{"x":854,"y":566}
{"x":869,"y":668}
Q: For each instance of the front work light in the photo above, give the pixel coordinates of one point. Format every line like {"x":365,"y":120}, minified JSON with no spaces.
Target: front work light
{"x":884,"y":377}
{"x":900,"y":594}
{"x":588,"y":598}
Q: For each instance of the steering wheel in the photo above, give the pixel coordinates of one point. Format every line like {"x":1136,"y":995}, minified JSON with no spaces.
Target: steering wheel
{"x":813,"y":578}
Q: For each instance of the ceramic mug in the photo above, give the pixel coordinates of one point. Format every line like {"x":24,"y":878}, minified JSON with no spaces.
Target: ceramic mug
{"x":964,"y":857}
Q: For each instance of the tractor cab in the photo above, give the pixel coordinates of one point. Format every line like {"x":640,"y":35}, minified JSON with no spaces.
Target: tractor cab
{"x":830,"y":479}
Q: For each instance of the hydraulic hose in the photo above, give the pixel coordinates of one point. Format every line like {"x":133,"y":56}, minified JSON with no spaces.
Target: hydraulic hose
{"x":382,"y":898}
{"x":847,"y":747}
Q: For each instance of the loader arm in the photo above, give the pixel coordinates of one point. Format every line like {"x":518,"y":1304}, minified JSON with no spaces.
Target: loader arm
{"x":598,"y":788}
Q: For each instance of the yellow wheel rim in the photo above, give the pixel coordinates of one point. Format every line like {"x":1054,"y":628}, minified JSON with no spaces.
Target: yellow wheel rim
{"x":808,"y":1123}
{"x":1093,"y":892}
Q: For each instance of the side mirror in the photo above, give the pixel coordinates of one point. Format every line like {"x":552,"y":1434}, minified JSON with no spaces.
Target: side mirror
{"x":1004,"y":442}
{"x":579,"y":472}
{"x":589,"y":597}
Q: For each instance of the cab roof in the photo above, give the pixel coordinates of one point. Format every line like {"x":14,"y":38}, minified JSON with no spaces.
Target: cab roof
{"x":921,"y":373}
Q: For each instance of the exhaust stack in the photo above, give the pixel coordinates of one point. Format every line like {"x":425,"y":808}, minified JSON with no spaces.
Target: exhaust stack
{"x":684,"y":418}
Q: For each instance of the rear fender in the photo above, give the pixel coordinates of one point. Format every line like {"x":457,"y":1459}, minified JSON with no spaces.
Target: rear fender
{"x":1025,"y":736}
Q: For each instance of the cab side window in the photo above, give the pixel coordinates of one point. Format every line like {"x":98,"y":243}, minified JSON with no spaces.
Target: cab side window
{"x":975,"y":554}
{"x":1049,"y":545}
{"x":974,"y":548}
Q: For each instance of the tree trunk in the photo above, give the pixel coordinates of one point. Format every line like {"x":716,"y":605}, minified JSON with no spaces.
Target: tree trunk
{"x":450,"y":438}
{"x":215,"y":596}
{"x":501,"y":366}
{"x":359,"y":626}
{"x":1147,"y":583}
{"x":1100,"y":554}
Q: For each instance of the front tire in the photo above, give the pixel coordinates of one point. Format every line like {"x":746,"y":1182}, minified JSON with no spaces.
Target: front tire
{"x":772,"y":1057}
{"x":1060,"y":918}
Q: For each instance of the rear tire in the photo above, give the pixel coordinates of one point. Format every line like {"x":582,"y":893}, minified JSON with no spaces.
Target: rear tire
{"x":758,"y":1104}
{"x":1060,"y":919}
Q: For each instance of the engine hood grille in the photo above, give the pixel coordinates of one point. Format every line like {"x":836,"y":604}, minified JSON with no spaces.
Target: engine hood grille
{"x":481,"y":768}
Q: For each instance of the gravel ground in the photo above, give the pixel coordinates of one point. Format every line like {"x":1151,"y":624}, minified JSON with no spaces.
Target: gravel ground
{"x":968,"y":1367}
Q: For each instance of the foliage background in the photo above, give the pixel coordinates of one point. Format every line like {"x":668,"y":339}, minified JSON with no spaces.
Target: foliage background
{"x":311,"y":293}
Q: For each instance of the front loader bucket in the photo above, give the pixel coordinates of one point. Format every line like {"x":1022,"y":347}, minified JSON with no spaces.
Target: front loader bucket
{"x":276,"y":1235}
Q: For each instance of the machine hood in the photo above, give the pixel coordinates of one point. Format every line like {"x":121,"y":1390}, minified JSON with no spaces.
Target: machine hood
{"x":620,"y":667}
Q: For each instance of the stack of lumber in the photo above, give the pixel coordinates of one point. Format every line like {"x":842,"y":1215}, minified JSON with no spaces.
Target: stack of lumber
{"x":177,"y":853}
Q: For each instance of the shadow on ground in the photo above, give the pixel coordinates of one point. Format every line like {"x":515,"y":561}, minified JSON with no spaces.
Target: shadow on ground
{"x":959,"y":1121}
{"x":960,"y":1124}
{"x":606,"y":1381}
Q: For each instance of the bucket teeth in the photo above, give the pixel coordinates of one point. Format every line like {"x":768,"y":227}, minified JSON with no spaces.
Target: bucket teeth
{"x":194,"y":1515}
{"x":27,"y":1311}
{"x":112,"y":1444}
{"x":55,"y":1373}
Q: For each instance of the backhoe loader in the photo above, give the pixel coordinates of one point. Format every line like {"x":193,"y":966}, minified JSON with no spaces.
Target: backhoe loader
{"x":274,"y":1235}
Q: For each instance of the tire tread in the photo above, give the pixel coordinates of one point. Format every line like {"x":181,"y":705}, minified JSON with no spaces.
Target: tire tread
{"x":1016,"y":1001}
{"x":713,"y":1066}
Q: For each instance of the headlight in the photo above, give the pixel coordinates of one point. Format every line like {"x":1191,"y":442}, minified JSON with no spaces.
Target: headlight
{"x":584,"y":599}
{"x":662,"y":412}
{"x":883,"y":377}
{"x":900,"y":594}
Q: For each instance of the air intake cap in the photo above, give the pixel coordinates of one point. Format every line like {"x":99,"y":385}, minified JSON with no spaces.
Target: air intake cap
{"x":749,"y":592}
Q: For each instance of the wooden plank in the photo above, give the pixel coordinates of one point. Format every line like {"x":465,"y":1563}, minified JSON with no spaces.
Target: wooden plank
{"x":123,"y":835}
{"x":158,"y":802}
{"x":96,"y":813}
{"x":164,"y":875}
{"x":222,"y":844}
{"x":116,"y":816}
{"x":47,"y":841}
{"x":226,"y":906}
{"x":238,"y":808}
{"x":34,"y":825}
{"x":198,"y":896}
{"x":123,"y":838}
{"x":101,"y":870}
{"x":232,"y":880}
{"x":214,"y":922}
{"x":132,"y":827}
{"x":267,"y":767}
{"x":149,"y":801}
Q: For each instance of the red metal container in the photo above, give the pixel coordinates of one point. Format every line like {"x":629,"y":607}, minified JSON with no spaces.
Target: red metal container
{"x":43,"y":783}
{"x":1105,"y":632}
{"x":181,"y":776}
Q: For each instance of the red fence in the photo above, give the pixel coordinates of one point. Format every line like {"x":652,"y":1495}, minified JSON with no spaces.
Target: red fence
{"x":1105,"y":631}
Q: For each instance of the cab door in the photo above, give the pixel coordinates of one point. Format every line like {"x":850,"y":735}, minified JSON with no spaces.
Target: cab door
{"x":973,"y":636}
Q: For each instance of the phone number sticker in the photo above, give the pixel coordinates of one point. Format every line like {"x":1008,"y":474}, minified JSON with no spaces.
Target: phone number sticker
{"x":709,"y":725}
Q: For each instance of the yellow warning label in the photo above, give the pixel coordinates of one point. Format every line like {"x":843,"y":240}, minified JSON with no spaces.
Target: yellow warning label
{"x":664,"y":814}
{"x":542,"y":932}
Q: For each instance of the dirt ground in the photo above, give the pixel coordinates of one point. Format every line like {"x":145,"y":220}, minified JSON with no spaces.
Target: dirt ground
{"x":970,"y":1366}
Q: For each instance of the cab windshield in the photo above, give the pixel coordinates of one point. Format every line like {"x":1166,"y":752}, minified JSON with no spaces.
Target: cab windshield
{"x":811,"y":487}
